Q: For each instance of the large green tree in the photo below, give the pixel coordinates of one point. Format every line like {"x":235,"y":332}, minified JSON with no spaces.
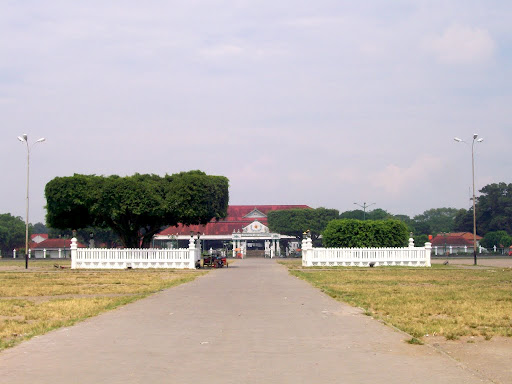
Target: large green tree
{"x":294,"y":222}
{"x":496,"y":238}
{"x":493,"y":210}
{"x":135,"y":207}
{"x":12,"y":233}
{"x":434,"y":221}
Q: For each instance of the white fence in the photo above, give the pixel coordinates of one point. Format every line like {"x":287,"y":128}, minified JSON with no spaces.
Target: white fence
{"x":365,"y":257}
{"x":104,"y":258}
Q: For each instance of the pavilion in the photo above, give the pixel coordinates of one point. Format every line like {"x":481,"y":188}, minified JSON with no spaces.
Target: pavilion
{"x":244,"y":231}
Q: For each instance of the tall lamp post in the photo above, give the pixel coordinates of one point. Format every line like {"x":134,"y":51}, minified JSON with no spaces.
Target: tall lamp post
{"x":364,"y":206}
{"x":24,"y":139}
{"x":475,"y":140}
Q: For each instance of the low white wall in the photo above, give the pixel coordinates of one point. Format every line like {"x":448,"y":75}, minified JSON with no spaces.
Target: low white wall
{"x":103,"y":258}
{"x":362,"y":257}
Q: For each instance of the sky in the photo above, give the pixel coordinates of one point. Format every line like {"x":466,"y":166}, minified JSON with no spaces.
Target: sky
{"x":326,"y":103}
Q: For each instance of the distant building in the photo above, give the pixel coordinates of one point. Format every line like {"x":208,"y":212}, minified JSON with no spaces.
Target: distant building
{"x":245,"y":227}
{"x":52,"y":248}
{"x":454,"y":243}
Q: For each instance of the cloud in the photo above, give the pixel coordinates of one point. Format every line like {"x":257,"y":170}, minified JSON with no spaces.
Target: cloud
{"x":398,"y":181}
{"x":223,"y":50}
{"x":462,"y":45}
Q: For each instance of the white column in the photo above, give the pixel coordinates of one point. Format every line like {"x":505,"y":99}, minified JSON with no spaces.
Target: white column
{"x":29,"y":253}
{"x":306,"y":262}
{"x":44,"y":253}
{"x":428,"y":252}
{"x":60,"y":253}
{"x":74,"y":251}
{"x":14,"y":253}
{"x":192,"y":253}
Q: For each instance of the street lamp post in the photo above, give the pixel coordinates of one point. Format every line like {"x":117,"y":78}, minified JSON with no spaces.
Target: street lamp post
{"x":475,"y":140}
{"x":24,"y":139}
{"x":364,"y":206}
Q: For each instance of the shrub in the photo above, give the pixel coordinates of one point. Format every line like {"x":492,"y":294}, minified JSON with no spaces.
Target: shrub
{"x":350,"y":233}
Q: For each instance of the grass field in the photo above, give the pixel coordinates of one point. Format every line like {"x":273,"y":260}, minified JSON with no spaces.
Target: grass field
{"x":443,"y":300}
{"x":42,"y":298}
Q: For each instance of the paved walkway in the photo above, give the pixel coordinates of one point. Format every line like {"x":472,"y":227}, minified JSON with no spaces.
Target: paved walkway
{"x":250,"y":323}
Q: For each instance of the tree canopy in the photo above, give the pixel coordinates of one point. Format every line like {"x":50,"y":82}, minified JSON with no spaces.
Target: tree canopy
{"x":493,"y":210}
{"x":358,"y":214}
{"x":294,"y":222}
{"x":135,"y":207}
{"x":434,"y":221}
{"x":12,"y":233}
{"x":352,"y":233}
{"x":496,"y":238}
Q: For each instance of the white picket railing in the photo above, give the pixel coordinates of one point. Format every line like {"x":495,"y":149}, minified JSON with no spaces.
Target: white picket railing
{"x":365,"y":257}
{"x":114,"y":258}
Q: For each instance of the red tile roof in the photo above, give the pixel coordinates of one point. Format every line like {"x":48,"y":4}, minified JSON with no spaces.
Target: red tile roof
{"x":234,"y":221}
{"x":55,"y":244}
{"x":454,"y":239}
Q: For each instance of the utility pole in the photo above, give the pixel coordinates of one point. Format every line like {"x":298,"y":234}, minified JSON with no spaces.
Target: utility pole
{"x":364,"y":206}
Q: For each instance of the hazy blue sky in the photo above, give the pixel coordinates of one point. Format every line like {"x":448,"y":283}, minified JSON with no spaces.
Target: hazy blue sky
{"x":324,"y":103}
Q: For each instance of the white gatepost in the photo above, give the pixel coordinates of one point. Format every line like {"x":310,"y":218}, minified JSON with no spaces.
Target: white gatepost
{"x":192,"y":252}
{"x":307,"y":249}
{"x":428,"y":253}
{"x":29,"y":253}
{"x":14,"y":253}
{"x":44,"y":253}
{"x":74,"y":252}
{"x":60,"y":252}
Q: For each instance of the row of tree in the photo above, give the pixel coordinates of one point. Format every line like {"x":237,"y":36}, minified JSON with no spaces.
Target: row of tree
{"x":135,"y":207}
{"x":493,"y":217}
{"x":296,"y":221}
{"x":131,"y":210}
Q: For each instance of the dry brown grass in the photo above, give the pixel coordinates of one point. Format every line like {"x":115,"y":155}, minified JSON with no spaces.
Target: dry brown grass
{"x":442,"y":300}
{"x":44,"y":298}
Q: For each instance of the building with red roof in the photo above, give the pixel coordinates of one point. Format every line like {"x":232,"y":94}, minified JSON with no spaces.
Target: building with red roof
{"x":453,"y":243}
{"x":53,"y":248}
{"x":245,"y":226}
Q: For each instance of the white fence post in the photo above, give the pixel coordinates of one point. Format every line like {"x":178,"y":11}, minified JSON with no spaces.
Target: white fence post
{"x":14,"y":253}
{"x":307,"y":248}
{"x":428,"y":253}
{"x":74,"y":251}
{"x":192,"y":251}
{"x":44,"y":253}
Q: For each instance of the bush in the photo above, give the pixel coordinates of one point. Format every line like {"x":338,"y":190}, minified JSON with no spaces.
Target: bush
{"x":350,"y":233}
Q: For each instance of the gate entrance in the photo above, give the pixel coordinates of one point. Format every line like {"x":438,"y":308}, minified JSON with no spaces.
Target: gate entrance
{"x":255,"y":248}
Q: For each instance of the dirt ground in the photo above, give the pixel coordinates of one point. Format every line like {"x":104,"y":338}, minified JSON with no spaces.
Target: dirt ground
{"x":492,"y":358}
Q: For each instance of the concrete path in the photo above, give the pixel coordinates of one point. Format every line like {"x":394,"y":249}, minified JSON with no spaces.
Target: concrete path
{"x":250,"y":323}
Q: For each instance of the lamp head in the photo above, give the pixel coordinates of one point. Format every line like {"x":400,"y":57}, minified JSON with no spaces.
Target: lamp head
{"x":475,"y":135}
{"x":21,"y":139}
{"x":41,"y":140}
{"x":457,"y":139}
{"x":480,"y":140}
